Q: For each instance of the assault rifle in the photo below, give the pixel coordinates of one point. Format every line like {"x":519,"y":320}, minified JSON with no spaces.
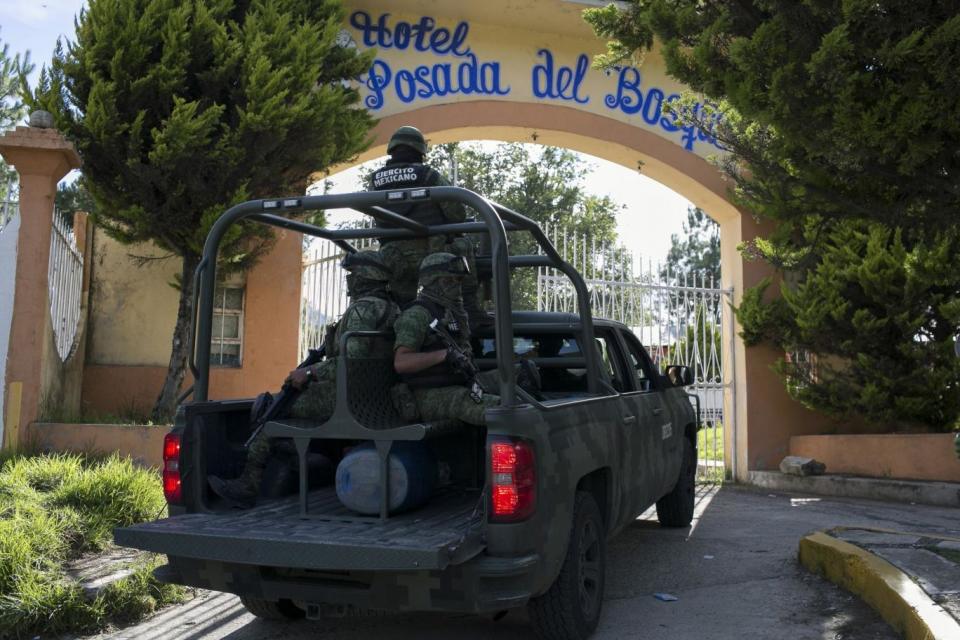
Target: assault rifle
{"x":283,"y":399}
{"x":460,"y":362}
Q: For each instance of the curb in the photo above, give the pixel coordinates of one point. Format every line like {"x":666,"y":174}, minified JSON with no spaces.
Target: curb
{"x":937,"y":494}
{"x":891,"y":592}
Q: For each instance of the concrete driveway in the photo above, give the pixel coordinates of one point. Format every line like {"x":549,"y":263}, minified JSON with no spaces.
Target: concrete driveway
{"x":734,"y":573}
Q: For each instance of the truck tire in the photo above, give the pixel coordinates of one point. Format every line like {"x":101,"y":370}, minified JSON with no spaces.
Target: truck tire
{"x":676,"y":508}
{"x":271,"y":610}
{"x":570,"y":609}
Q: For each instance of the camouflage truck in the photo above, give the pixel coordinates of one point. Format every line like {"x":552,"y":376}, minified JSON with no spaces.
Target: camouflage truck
{"x":528,"y":502}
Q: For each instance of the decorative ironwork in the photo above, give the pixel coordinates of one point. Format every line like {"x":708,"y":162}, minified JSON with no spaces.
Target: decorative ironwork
{"x":65,"y":281}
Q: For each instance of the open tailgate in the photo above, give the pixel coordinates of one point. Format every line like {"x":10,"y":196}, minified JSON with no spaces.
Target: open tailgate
{"x":446,"y":531}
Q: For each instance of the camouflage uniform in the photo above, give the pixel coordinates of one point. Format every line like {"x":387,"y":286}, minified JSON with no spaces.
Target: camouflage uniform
{"x":372,"y":309}
{"x":403,"y":257}
{"x":413,"y":331}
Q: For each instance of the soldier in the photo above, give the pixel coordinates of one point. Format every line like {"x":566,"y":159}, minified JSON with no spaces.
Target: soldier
{"x":405,"y":169}
{"x":371,"y":309}
{"x":432,"y":354}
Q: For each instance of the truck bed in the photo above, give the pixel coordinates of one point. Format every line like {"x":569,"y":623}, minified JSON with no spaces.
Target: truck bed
{"x":446,"y":531}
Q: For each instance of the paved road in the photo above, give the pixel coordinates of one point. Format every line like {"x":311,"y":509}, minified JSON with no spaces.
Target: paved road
{"x":752,"y":587}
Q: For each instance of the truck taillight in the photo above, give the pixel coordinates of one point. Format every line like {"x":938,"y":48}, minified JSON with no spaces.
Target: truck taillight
{"x":513,"y":480}
{"x":172,"y":489}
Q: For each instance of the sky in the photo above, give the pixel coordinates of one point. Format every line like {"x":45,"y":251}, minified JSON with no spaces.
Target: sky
{"x":652,"y":212}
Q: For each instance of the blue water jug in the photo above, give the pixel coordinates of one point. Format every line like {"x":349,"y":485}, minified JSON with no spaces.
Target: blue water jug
{"x":413,"y":476}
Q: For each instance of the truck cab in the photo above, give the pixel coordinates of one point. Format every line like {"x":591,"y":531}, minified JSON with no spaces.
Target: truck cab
{"x":526,"y":504}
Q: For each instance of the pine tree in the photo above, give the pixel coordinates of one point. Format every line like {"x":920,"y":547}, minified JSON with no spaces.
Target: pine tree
{"x":839,"y":120}
{"x":694,"y":255}
{"x":182,"y":108}
{"x":12,"y":108}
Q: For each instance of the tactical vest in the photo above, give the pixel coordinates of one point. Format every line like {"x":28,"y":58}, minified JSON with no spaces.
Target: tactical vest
{"x":331,"y":340}
{"x":408,"y":175}
{"x":442,"y":374}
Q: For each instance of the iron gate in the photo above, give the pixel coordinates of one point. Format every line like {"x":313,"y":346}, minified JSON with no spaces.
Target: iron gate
{"x":678,"y":318}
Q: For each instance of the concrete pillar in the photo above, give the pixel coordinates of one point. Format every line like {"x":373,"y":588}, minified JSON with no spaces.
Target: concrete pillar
{"x":764,"y":415}
{"x":41,"y":157}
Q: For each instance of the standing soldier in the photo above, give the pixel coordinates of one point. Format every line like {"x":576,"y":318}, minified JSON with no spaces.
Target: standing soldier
{"x":371,"y":309}
{"x":431,"y":351}
{"x":405,"y":169}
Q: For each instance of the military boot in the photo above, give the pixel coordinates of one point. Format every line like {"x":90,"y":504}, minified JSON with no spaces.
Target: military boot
{"x":242,"y":491}
{"x":528,"y":378}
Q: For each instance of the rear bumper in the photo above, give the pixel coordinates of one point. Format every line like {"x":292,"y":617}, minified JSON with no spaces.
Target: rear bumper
{"x":482,"y":584}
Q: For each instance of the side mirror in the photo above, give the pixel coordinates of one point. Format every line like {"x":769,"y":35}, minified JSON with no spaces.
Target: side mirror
{"x":679,"y":375}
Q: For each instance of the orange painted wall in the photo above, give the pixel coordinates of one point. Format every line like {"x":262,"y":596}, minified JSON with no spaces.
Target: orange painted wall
{"x":927,"y":456}
{"x":142,"y":443}
{"x":270,"y":330}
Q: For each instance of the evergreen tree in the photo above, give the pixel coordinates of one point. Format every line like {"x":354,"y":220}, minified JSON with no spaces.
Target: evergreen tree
{"x":839,"y":119}
{"x":694,"y":255}
{"x":181,"y":109}
{"x":12,"y":108}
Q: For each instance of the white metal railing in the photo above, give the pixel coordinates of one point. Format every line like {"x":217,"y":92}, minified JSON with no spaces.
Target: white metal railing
{"x":65,"y":277}
{"x":324,"y":289}
{"x":678,"y":318}
{"x":9,"y":205}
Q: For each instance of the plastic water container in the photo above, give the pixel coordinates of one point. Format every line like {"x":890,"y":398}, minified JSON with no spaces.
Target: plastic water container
{"x":413,"y":476}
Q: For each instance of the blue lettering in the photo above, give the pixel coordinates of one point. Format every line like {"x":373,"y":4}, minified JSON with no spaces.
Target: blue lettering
{"x":377,"y":79}
{"x":658,"y":109}
{"x":459,"y":37}
{"x":423,"y":80}
{"x":405,"y":86}
{"x":422,"y":28}
{"x":465,"y":77}
{"x":562,"y":83}
{"x":423,"y":35}
{"x":653,"y":106}
{"x":629,"y":98}
{"x":401,"y":35}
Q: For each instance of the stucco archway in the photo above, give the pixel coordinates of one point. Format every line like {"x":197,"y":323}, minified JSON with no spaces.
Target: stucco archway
{"x":518,"y":70}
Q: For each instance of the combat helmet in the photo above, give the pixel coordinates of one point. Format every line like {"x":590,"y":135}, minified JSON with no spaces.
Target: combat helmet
{"x":440,"y":278}
{"x":409,"y":136}
{"x":366,"y":264}
{"x":439,"y":265}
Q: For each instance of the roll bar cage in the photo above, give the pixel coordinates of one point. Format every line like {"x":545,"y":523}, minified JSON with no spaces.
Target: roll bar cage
{"x":495,"y":220}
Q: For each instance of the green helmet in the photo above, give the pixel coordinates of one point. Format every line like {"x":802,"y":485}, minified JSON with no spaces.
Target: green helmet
{"x":442,"y":264}
{"x":409,"y":136}
{"x":366,"y":264}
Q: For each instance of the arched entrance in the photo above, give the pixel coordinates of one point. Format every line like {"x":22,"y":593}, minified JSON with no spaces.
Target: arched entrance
{"x":513,"y":70}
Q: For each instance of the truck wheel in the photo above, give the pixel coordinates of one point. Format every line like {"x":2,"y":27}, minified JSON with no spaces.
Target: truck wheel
{"x":676,"y":508}
{"x":570,"y":609}
{"x":271,"y":610}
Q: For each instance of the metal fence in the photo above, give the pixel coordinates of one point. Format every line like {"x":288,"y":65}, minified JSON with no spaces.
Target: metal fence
{"x":65,"y":277}
{"x":9,"y":205}
{"x":678,"y":318}
{"x":324,"y":289}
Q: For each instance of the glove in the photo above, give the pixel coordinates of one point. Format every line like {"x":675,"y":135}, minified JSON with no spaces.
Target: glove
{"x":460,"y":361}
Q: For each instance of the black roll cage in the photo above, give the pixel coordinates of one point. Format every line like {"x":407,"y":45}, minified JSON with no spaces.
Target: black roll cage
{"x":495,"y":221}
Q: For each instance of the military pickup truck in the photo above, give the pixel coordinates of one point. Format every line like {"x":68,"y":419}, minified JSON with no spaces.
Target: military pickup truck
{"x":527,"y":503}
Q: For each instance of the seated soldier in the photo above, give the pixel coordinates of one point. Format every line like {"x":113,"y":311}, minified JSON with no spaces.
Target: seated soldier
{"x":371,"y":309}
{"x":405,"y":169}
{"x":432,"y":352}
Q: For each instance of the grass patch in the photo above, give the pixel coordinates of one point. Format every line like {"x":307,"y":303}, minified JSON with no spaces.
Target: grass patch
{"x":52,"y":509}
{"x":710,"y":443}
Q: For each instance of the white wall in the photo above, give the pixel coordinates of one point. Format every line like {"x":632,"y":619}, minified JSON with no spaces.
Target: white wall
{"x":8,"y":273}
